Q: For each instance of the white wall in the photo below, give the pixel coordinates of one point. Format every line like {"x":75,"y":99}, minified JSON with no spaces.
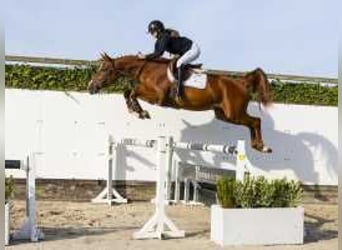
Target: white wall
{"x":70,"y":130}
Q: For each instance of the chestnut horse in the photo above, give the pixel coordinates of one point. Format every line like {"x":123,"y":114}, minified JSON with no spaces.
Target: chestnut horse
{"x":227,"y":96}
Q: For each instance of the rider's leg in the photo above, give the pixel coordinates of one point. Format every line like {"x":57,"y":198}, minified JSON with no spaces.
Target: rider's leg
{"x":191,"y":55}
{"x":180,"y":80}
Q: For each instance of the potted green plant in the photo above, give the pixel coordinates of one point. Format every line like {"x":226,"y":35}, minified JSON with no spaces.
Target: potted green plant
{"x":257,"y":211}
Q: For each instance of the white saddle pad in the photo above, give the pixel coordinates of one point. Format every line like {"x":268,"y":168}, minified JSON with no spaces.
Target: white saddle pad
{"x":196,"y":80}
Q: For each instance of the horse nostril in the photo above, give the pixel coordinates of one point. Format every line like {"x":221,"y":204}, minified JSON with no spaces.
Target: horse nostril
{"x":90,"y":90}
{"x":94,"y":90}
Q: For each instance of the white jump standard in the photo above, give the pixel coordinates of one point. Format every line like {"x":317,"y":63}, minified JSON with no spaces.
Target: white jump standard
{"x":159,"y":225}
{"x":29,"y":229}
{"x":109,"y":194}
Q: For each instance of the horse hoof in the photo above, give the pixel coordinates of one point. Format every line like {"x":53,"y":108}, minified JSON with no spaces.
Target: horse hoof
{"x":146,"y":115}
{"x":262,"y":148}
{"x":266,"y":149}
{"x":138,"y":115}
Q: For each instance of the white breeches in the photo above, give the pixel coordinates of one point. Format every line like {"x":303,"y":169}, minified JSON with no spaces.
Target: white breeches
{"x":191,"y":55}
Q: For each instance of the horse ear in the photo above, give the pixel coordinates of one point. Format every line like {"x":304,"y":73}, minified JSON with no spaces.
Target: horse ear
{"x":101,"y":55}
{"x":107,"y":56}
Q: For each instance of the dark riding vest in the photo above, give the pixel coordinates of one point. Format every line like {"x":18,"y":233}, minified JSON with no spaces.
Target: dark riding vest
{"x":168,"y":43}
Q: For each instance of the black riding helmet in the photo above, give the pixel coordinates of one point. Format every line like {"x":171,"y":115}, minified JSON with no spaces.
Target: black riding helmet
{"x":156,"y":26}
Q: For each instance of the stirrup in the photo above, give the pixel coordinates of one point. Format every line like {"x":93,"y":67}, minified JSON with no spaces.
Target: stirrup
{"x":178,"y":91}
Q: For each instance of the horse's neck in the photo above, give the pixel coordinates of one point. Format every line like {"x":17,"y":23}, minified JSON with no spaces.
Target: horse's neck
{"x":136,"y":68}
{"x":132,"y":68}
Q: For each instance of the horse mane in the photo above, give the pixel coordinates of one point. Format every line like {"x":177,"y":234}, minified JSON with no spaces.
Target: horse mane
{"x":161,"y":60}
{"x":105,"y":57}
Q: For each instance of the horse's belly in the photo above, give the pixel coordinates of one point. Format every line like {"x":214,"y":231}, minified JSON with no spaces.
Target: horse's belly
{"x":196,"y":105}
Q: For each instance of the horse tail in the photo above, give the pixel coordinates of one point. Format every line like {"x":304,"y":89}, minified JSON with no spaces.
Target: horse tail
{"x":259,"y":84}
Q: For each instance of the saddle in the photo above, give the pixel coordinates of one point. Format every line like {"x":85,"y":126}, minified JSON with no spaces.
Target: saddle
{"x":188,"y":69}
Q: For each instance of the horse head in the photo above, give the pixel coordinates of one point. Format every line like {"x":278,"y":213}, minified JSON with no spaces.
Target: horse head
{"x":105,"y":74}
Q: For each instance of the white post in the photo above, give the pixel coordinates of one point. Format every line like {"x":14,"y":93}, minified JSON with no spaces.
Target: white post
{"x":111,"y":158}
{"x":169,"y":155}
{"x":162,"y":150}
{"x":7,"y":223}
{"x":31,"y":196}
{"x":156,"y":226}
{"x":110,"y":194}
{"x":29,"y":229}
{"x":186,"y":190}
{"x":241,"y":160}
{"x":177,"y":182}
{"x":196,"y":195}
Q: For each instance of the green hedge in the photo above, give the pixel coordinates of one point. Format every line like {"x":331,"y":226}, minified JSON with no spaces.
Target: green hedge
{"x":76,"y":79}
{"x":256,"y":192}
{"x":301,"y":93}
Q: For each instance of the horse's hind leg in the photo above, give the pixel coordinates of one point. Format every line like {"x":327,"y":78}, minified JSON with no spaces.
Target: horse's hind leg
{"x":253,"y":123}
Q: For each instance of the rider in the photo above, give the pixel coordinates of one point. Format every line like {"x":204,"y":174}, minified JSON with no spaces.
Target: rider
{"x":170,"y":41}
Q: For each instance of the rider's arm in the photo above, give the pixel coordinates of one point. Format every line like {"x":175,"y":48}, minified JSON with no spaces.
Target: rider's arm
{"x":160,"y":47}
{"x":173,"y":33}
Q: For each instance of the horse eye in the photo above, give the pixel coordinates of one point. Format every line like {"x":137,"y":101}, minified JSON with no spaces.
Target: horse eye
{"x":105,"y":67}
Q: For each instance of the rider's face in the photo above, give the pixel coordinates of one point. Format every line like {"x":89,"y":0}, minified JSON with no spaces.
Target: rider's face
{"x":154,"y":34}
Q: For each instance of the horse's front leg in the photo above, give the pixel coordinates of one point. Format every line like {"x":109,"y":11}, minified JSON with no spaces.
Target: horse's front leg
{"x":135,"y":105}
{"x":128,"y":100}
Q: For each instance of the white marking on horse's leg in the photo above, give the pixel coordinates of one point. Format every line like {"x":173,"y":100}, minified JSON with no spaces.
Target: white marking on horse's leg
{"x":266,"y":149}
{"x":136,"y":114}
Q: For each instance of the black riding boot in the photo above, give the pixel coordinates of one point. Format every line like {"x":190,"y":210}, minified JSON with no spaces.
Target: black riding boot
{"x":180,"y":82}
